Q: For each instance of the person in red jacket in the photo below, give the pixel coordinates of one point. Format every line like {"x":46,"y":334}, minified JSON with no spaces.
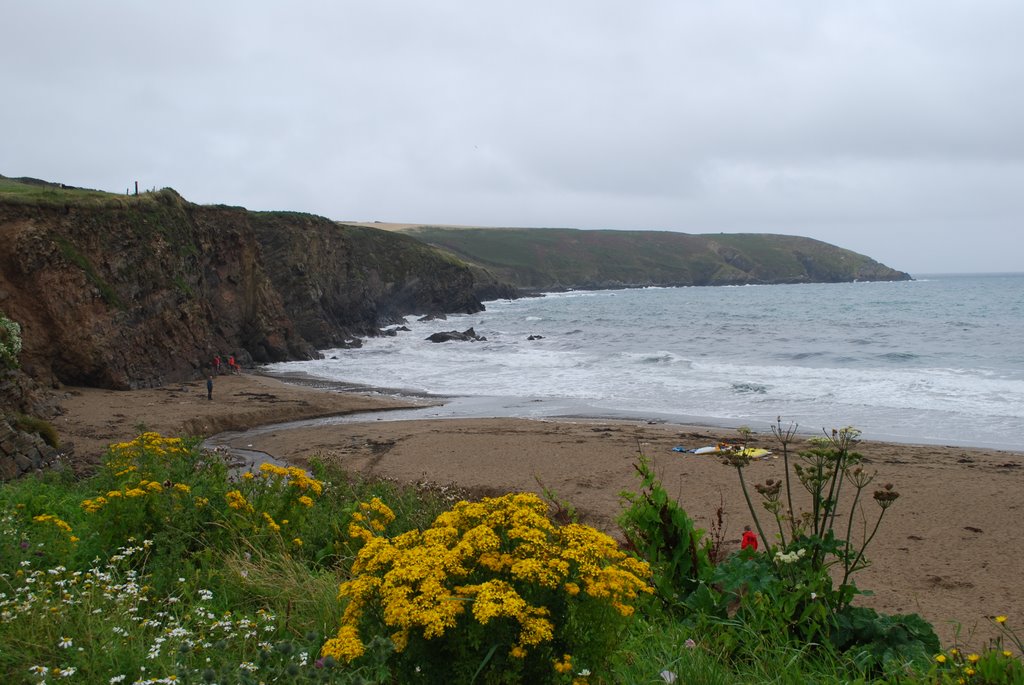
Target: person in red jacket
{"x":749,"y":539}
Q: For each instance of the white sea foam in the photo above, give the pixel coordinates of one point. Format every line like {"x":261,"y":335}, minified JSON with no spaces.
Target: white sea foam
{"x":914,"y":361}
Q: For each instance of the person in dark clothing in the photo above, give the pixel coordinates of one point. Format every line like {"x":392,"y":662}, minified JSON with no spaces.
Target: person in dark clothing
{"x":209,"y":387}
{"x":749,"y":539}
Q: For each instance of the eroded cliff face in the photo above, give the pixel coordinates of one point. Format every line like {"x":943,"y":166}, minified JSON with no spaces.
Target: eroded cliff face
{"x":142,"y":291}
{"x":337,"y":280}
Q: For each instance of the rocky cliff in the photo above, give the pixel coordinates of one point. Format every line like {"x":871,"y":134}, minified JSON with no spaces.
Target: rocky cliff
{"x":123,"y":292}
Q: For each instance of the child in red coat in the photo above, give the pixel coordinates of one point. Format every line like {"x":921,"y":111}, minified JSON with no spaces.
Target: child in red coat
{"x":749,"y":539}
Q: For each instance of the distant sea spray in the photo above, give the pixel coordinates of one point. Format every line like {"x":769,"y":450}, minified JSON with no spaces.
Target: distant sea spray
{"x":935,"y":360}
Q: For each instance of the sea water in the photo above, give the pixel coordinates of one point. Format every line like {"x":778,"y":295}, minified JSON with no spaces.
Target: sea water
{"x":936,"y":360}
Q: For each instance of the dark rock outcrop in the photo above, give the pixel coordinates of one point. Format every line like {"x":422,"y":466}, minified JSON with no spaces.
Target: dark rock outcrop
{"x":23,"y":453}
{"x":468,"y":335}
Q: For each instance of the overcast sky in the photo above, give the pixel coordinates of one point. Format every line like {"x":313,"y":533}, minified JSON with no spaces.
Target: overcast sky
{"x":893,"y":128}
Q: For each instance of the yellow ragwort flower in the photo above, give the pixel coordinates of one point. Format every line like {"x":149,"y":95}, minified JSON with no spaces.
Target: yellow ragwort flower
{"x":236,"y":500}
{"x":271,"y":524}
{"x":346,"y":646}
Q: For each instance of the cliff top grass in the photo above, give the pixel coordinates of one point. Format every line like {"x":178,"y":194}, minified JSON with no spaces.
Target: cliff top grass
{"x":31,"y":191}
{"x":35,"y":191}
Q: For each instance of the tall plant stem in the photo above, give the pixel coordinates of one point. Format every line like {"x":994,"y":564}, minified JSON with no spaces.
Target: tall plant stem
{"x":782,"y":531}
{"x":841,"y":466}
{"x":860,"y":554}
{"x":828,"y":515}
{"x":789,"y":489}
{"x":750,"y":505}
{"x":816,"y":497}
{"x":784,"y":437}
{"x":849,"y":531}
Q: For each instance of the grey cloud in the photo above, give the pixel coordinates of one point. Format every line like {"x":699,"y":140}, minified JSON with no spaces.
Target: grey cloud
{"x":878,"y":126}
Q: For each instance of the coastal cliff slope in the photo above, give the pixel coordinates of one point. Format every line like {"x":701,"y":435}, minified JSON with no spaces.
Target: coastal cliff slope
{"x":118,"y":291}
{"x":556,"y":258}
{"x":123,"y":292}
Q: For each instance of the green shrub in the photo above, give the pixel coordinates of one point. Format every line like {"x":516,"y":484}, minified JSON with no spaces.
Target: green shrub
{"x":662,"y":533}
{"x":10,"y":342}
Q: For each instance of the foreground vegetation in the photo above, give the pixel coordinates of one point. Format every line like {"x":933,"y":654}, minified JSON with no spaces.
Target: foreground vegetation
{"x":168,"y":567}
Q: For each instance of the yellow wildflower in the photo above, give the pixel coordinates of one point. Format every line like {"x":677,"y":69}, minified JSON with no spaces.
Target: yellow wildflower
{"x":236,"y":500}
{"x":1000,"y":619}
{"x":271,"y":524}
{"x":400,"y":640}
{"x":346,"y":646}
{"x":50,"y":518}
{"x":480,"y":561}
{"x":941,"y":658}
{"x":91,"y":506}
{"x":563,"y":666}
{"x":357,"y":533}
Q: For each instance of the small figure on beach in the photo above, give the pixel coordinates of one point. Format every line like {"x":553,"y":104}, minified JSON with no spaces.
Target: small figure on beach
{"x":232,"y":365}
{"x":749,"y":539}
{"x":209,"y":387}
{"x":216,"y":365}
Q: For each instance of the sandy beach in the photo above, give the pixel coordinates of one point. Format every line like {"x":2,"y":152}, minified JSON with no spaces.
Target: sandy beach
{"x":947,"y":549}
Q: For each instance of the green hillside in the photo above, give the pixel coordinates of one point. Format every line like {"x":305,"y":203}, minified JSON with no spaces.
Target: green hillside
{"x":552,"y":258}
